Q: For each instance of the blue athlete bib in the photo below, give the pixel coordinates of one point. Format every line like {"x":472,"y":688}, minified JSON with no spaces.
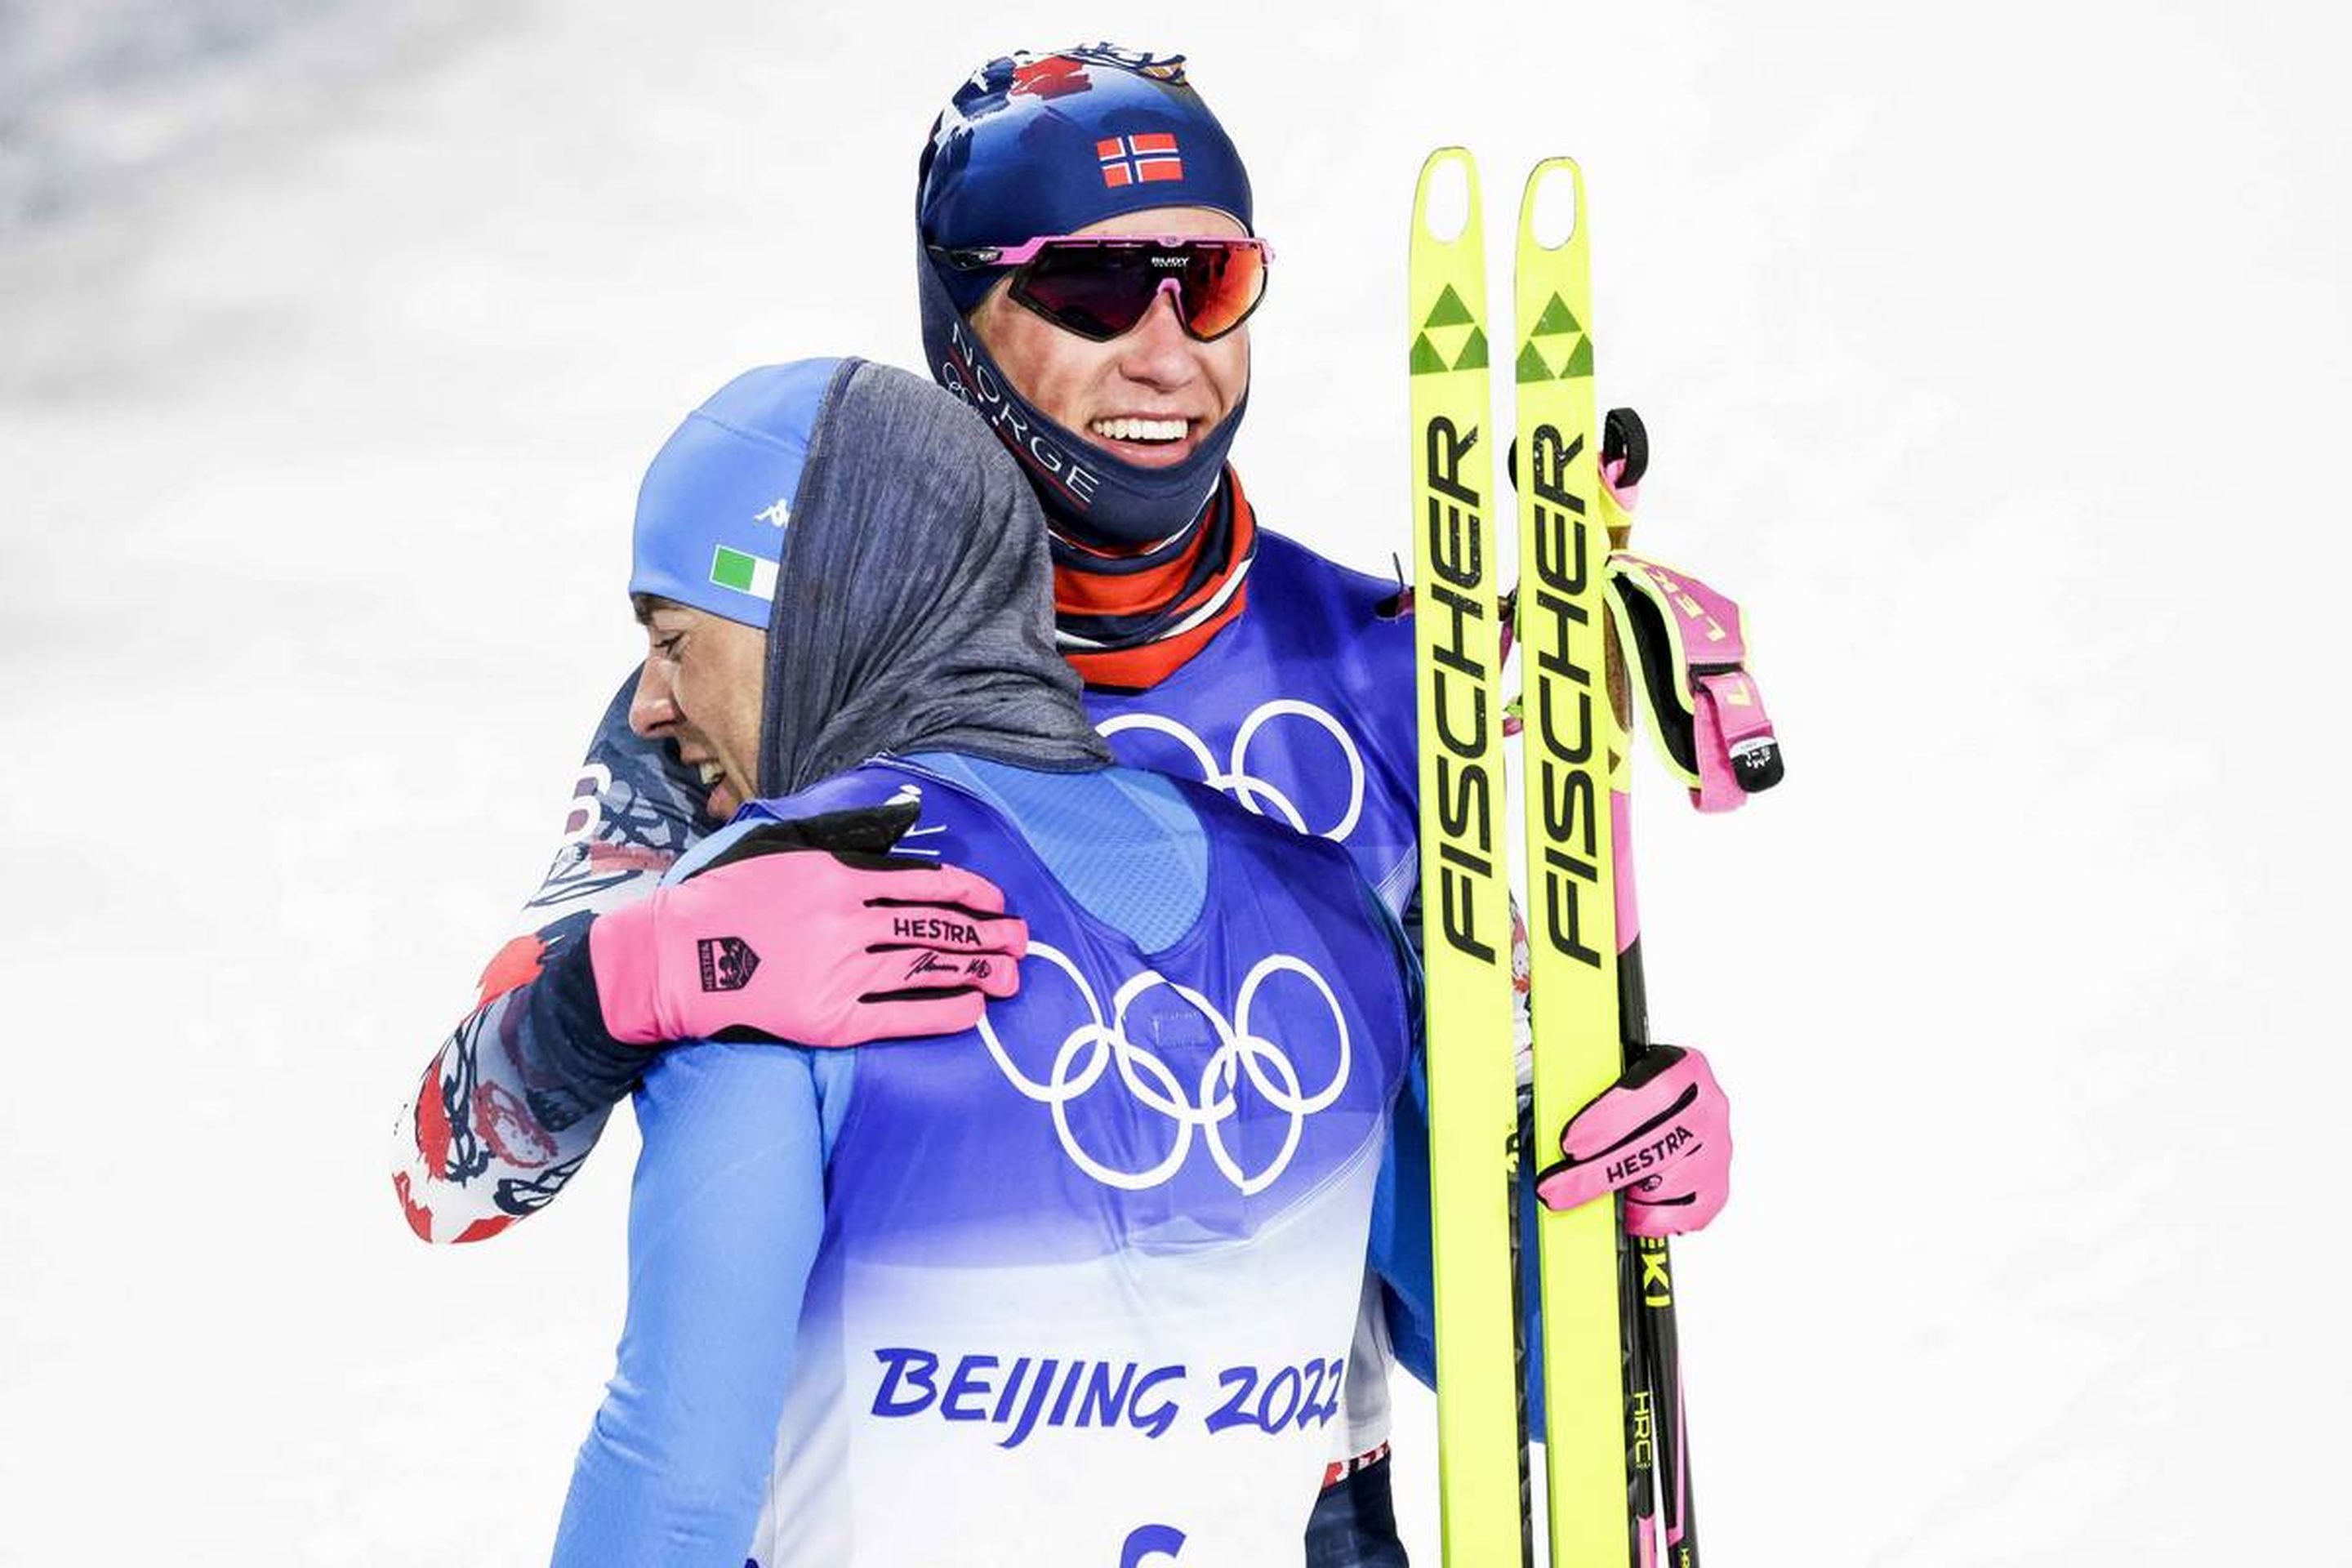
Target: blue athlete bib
{"x":1092,"y":1268}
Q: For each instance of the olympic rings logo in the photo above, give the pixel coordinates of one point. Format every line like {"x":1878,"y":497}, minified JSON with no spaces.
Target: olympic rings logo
{"x":1235,"y":779}
{"x":1096,"y":1045}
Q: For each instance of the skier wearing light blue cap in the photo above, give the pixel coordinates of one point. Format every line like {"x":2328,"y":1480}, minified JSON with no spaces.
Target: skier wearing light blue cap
{"x":709,"y":530}
{"x":1081,"y":1274}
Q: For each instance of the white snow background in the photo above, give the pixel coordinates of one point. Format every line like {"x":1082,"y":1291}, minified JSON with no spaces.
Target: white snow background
{"x":1995,"y":356}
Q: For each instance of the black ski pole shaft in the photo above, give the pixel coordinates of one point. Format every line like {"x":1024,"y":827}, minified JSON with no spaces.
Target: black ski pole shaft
{"x":1657,"y":1429}
{"x":1657,"y":1389}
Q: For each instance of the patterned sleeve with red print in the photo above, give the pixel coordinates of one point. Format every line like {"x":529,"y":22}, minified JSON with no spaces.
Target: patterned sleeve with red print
{"x":517,"y":1095}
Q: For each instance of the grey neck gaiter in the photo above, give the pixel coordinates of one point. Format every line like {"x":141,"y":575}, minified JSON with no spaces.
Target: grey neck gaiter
{"x":914,"y":606}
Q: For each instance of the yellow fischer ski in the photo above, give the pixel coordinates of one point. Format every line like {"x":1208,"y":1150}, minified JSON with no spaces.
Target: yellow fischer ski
{"x":1465,"y":886}
{"x":1571,"y":742}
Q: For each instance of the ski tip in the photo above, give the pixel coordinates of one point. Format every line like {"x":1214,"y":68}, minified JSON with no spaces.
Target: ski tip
{"x":1445,"y":198}
{"x":1552,"y":206}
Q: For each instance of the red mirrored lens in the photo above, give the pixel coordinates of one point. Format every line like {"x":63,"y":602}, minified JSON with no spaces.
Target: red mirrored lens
{"x":1101,"y":291}
{"x":1223,"y":286}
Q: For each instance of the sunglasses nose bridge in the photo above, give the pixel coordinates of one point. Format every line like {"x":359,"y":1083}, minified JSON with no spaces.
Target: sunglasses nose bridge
{"x":1172,"y":291}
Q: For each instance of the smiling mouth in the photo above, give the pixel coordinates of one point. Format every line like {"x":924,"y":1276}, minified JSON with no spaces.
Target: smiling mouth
{"x":1142,"y":431}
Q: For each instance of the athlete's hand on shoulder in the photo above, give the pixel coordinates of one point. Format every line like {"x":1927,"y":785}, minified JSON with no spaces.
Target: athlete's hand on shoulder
{"x":810,"y":932}
{"x":1662,"y":1134}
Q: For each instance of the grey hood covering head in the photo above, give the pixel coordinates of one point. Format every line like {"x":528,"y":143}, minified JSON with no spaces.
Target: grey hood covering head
{"x":915,"y":598}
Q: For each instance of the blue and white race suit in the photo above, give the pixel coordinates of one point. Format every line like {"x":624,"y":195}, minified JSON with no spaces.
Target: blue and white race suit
{"x":1076,"y":1286}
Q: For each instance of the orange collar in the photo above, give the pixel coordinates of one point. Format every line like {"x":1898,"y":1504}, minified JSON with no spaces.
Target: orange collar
{"x":1139,"y":619}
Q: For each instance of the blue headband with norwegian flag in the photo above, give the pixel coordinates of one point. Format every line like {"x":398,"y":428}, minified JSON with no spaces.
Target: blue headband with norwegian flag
{"x":1042,"y":145}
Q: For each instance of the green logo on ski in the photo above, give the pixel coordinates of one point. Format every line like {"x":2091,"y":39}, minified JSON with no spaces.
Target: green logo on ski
{"x":1557,"y":318}
{"x":1428,"y":359}
{"x":1531,"y":365}
{"x":1449,"y":311}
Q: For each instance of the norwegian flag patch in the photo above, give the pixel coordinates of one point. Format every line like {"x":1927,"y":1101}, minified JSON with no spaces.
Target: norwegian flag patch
{"x":1139,"y":160}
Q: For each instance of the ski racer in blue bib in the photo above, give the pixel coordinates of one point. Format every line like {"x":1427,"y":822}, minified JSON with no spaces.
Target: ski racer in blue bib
{"x":1087,"y":272}
{"x":1083,"y":1275}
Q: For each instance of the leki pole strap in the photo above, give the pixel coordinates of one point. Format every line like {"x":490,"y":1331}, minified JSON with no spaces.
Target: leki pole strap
{"x":1690,"y":647}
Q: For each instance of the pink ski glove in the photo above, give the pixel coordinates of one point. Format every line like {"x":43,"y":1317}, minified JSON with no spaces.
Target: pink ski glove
{"x":1661,"y":1134}
{"x":808,"y":931}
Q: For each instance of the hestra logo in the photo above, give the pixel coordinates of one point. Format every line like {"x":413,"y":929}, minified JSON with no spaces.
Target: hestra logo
{"x":1457,"y":676}
{"x":728,"y":963}
{"x":1676,"y":1139}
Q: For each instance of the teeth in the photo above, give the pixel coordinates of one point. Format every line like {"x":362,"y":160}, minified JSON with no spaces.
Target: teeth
{"x":1140,"y":430}
{"x":711,"y":772}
